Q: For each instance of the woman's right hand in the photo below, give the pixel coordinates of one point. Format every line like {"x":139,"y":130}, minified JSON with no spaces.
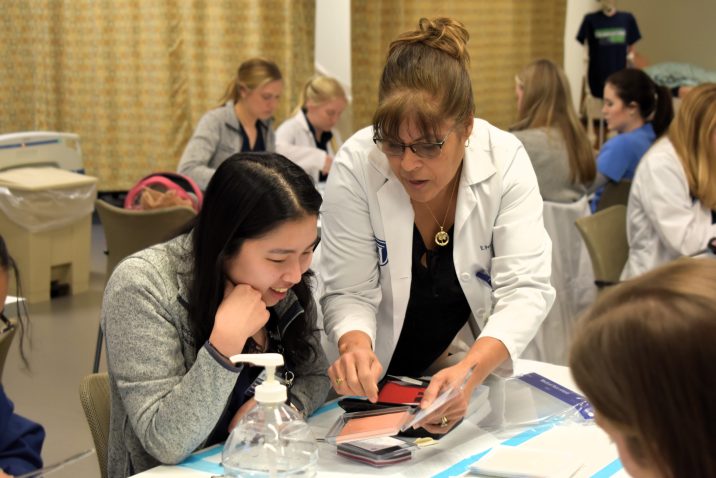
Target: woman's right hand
{"x":357,"y":370}
{"x":241,"y":314}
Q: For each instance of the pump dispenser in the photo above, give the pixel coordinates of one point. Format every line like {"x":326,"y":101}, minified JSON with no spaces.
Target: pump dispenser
{"x":271,"y":440}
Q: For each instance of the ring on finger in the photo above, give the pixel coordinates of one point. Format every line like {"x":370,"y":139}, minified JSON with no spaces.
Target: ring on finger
{"x":339,"y":380}
{"x":444,"y":422}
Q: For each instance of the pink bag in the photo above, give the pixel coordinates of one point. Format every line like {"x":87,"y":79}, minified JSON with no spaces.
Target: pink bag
{"x":168,"y":189}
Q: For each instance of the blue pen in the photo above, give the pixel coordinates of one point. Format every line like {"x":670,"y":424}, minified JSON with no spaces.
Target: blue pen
{"x":485,"y":277}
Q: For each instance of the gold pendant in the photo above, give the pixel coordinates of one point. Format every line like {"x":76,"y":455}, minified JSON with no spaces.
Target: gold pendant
{"x":441,"y":237}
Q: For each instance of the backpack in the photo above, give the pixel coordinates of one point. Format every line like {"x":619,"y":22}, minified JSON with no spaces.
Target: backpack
{"x":164,"y":189}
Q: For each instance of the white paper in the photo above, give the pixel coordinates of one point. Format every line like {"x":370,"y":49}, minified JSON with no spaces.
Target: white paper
{"x":523,"y":462}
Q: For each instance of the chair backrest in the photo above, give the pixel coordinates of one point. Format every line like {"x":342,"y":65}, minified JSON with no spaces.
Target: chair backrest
{"x":614,"y":194}
{"x":7,"y":332}
{"x":572,"y":279}
{"x":94,"y":395}
{"x":604,"y":233}
{"x":128,"y":231}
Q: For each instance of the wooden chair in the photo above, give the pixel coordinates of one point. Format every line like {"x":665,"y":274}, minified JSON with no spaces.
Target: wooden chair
{"x":127,"y":231}
{"x":94,"y":396}
{"x":604,"y":234}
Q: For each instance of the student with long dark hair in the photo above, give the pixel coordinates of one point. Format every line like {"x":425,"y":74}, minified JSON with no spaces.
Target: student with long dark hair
{"x":20,"y":439}
{"x":236,"y":282}
{"x":640,"y":111}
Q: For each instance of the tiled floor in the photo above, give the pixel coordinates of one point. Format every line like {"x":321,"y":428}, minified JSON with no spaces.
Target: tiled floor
{"x":64,"y":332}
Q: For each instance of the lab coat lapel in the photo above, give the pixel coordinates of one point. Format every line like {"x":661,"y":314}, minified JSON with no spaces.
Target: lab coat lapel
{"x":477,"y":167}
{"x":398,"y":217}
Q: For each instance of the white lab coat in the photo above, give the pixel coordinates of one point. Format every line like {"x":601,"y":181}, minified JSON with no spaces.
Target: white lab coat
{"x":367,"y":234}
{"x":295,"y":141}
{"x":663,"y":221}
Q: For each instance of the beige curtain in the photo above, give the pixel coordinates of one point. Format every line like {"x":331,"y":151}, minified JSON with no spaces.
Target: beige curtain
{"x":133,"y":77}
{"x":505,"y":35}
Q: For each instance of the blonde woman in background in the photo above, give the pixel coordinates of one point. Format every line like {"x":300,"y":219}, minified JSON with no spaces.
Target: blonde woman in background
{"x":308,"y":137}
{"x":551,"y":133}
{"x":673,"y":197}
{"x":645,"y":359}
{"x":242,"y":124}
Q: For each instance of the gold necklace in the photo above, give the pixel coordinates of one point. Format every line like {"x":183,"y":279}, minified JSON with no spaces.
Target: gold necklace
{"x":442,"y":238}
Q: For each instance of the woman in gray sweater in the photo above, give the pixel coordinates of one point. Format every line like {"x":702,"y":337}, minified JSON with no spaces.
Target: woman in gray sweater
{"x":242,"y":123}
{"x":551,"y":133}
{"x":237,"y":281}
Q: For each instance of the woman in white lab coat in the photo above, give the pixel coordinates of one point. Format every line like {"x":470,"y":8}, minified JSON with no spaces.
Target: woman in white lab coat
{"x":673,"y":197}
{"x":308,"y":138}
{"x":426,"y":177}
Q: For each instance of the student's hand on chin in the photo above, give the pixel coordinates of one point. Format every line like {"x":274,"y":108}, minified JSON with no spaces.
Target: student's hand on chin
{"x":240,"y":315}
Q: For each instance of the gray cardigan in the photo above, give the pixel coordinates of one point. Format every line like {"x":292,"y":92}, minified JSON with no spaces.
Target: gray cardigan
{"x":550,"y":160}
{"x":217,"y":136}
{"x":166,"y":396}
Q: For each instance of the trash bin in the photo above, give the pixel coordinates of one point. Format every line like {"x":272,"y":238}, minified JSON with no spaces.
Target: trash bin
{"x":45,"y":218}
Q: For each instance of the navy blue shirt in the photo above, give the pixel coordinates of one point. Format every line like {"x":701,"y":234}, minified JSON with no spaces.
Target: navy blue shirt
{"x":259,"y":145}
{"x":322,"y":143}
{"x":608,"y":39}
{"x":20,"y":440}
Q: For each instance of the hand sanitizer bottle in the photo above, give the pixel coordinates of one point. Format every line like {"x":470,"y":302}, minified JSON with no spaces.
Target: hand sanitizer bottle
{"x":271,"y":440}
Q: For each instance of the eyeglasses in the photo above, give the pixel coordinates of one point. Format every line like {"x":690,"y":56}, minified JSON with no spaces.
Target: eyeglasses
{"x":423,"y":149}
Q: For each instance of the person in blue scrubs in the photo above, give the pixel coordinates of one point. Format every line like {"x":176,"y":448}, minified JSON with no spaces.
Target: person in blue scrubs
{"x":639,"y":111}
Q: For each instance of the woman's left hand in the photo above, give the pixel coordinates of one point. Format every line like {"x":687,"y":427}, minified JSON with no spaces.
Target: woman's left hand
{"x":243,"y":410}
{"x":446,"y":417}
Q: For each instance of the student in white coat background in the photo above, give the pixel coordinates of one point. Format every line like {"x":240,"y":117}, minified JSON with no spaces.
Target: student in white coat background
{"x":426,"y":177}
{"x":673,"y":197}
{"x":308,"y":137}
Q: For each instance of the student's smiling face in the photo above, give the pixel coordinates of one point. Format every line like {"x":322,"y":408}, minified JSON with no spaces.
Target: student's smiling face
{"x":275,"y":262}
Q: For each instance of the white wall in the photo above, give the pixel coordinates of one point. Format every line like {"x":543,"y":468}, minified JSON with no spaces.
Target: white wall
{"x":333,"y":39}
{"x":575,"y":57}
{"x":675,"y":31}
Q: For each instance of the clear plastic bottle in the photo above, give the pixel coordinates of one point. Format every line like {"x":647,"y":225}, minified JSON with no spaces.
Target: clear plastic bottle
{"x":272,"y":440}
